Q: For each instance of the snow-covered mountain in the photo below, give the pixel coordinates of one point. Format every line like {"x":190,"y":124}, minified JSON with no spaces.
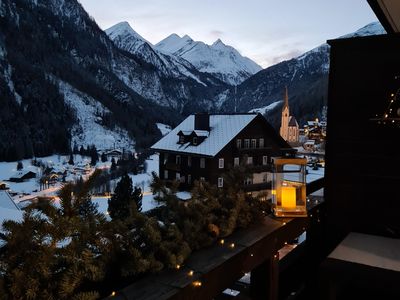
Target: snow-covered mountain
{"x":167,"y":65}
{"x":306,"y":77}
{"x":221,"y":60}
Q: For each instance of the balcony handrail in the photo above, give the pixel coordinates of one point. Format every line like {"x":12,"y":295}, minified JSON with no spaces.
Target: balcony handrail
{"x":219,"y":266}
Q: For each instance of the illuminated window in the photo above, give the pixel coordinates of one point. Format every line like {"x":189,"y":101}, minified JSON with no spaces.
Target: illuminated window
{"x":178,"y":176}
{"x":253,"y":143}
{"x":165,"y":174}
{"x":181,"y":139}
{"x":236,"y":161}
{"x":239,"y":143}
{"x":249,"y":160}
{"x":265,"y":160}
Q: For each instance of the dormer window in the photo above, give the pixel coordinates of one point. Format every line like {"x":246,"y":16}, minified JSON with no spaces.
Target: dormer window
{"x":181,"y":139}
{"x":195,"y":140}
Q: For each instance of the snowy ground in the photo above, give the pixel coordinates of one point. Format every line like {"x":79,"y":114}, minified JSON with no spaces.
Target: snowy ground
{"x":30,"y":188}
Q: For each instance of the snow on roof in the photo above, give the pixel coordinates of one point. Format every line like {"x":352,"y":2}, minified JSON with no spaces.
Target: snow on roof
{"x":8,"y":209}
{"x":223,"y":128}
{"x":6,"y":201}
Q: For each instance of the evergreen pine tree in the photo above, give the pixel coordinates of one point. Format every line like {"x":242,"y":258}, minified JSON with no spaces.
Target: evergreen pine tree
{"x":122,"y":203}
{"x":20,"y":166}
{"x":94,"y":157}
{"x":71,"y":159}
{"x":113,"y":164}
{"x":138,"y":196}
{"x":82,"y":150}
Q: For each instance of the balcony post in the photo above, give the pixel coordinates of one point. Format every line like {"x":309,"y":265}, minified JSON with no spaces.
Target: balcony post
{"x":264,"y":280}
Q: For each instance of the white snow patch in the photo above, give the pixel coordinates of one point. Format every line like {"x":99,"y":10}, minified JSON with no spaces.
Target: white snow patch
{"x":88,"y":130}
{"x":265,"y":109}
{"x":165,"y":129}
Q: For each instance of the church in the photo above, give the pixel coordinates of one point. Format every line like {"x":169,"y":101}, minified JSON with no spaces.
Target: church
{"x":289,"y":130}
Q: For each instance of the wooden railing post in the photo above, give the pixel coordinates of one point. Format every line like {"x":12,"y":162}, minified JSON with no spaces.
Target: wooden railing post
{"x":264,"y":280}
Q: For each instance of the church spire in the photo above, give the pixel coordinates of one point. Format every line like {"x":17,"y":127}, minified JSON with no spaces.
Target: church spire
{"x":286,"y":99}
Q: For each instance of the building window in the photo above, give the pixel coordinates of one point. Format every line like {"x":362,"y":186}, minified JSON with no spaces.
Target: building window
{"x":202,"y":162}
{"x":189,"y":181}
{"x":189,"y":161}
{"x":194,"y":140}
{"x":253,"y":143}
{"x":249,"y":160}
{"x":239,"y":143}
{"x":178,"y":159}
{"x":236,"y":161}
{"x":265,"y":160}
{"x":165,"y":174}
{"x":181,"y":139}
{"x":220,"y":182}
{"x":221,"y":163}
{"x":182,"y":179}
{"x":165,"y":158}
{"x":261,"y":143}
{"x":246,"y":143}
{"x":202,"y":179}
{"x":178,"y":176}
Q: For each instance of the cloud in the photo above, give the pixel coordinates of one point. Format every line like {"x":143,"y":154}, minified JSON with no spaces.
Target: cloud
{"x":216,"y":34}
{"x":285,"y":56}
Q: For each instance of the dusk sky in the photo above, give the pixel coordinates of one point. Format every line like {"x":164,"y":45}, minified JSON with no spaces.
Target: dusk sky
{"x":267,"y":31}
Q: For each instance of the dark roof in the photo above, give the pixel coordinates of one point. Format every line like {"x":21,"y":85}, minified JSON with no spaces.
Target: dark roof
{"x":293,"y":122}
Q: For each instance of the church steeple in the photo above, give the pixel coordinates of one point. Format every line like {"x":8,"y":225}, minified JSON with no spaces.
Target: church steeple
{"x":286,"y":99}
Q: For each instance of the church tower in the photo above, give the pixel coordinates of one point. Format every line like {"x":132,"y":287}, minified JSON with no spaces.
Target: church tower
{"x":284,"y":130}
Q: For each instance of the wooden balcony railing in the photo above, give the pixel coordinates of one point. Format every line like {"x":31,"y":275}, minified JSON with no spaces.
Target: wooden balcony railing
{"x":216,"y":268}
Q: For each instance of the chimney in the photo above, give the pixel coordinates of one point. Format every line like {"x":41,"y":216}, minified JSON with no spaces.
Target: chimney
{"x":202,"y":121}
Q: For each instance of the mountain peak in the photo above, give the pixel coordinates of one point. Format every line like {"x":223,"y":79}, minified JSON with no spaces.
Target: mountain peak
{"x":120,"y":27}
{"x":218,"y":43}
{"x":187,"y":38}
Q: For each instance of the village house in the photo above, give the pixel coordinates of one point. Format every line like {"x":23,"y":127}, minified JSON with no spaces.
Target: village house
{"x":204,"y":147}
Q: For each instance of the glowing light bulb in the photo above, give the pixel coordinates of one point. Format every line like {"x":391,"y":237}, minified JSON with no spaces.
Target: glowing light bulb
{"x":191,"y":273}
{"x":222,"y":242}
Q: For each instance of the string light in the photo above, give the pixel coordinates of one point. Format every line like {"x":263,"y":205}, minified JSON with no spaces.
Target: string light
{"x":178,"y":266}
{"x":251,"y":254}
{"x":113,"y":293}
{"x":197,"y":283}
{"x":190,"y":273}
{"x":222,"y":241}
{"x":232,"y":245}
